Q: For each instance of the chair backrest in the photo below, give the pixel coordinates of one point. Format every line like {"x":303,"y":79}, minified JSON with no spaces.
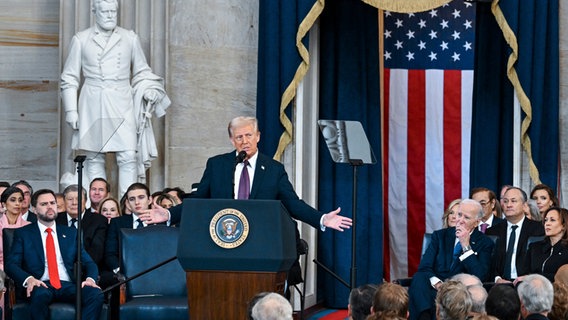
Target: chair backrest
{"x":426,"y":242}
{"x":141,"y":249}
{"x":533,"y":239}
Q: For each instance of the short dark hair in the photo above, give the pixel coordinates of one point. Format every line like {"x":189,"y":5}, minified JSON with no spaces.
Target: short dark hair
{"x":503,"y":302}
{"x":107,"y":185}
{"x":178,"y":190}
{"x":361,"y":301}
{"x":25,"y":183}
{"x":138,"y":186}
{"x":39,"y":193}
{"x":10,"y":191}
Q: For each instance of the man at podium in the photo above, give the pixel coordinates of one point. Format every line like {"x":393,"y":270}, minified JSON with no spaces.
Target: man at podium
{"x":246,"y":173}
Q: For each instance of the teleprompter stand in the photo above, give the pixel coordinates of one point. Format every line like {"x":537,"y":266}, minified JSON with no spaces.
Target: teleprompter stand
{"x":347,"y":143}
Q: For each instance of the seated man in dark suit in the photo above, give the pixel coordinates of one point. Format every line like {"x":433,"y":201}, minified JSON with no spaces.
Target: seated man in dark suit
{"x":459,"y":249}
{"x":94,"y":225}
{"x":510,"y":259}
{"x":27,"y":214}
{"x":42,"y":260}
{"x":245,"y":173}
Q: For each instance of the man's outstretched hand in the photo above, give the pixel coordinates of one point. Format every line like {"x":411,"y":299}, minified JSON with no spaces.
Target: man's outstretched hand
{"x":335,"y":221}
{"x":155,"y":215}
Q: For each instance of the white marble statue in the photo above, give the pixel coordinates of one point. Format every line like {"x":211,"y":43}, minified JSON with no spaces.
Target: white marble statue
{"x":117,"y":98}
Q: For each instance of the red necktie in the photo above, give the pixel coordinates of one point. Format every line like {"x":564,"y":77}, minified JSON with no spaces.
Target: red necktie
{"x":52,"y":260}
{"x":244,"y":182}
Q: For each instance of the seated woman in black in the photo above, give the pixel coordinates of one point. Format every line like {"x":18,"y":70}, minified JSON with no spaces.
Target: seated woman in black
{"x":549,"y":254}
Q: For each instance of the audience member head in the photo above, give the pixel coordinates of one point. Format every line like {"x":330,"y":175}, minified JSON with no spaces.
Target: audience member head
{"x":138,"y":197}
{"x":12,"y":200}
{"x":71,"y":194}
{"x":272,"y":307}
{"x":467,"y":279}
{"x":99,"y":189}
{"x":124,"y":205}
{"x":532,"y":211}
{"x":504,"y":189}
{"x":3,"y":186}
{"x":544,"y":197}
{"x":110,"y":208}
{"x":28,"y":191}
{"x":536,"y":295}
{"x":483,"y":316}
{"x":555,"y":222}
{"x":390,"y":302}
{"x":165,"y":200}
{"x":478,"y":297}
{"x":175,"y":192}
{"x":486,"y":198}
{"x":562,"y":275}
{"x":45,"y":206}
{"x":451,"y":214}
{"x":469,"y":216}
{"x":515,"y":204}
{"x":559,"y":309}
{"x":503,"y":302}
{"x":253,"y":302}
{"x":60,"y":198}
{"x":453,"y":301}
{"x":360,"y":301}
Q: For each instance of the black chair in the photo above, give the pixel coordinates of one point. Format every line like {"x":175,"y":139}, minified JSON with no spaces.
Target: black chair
{"x":160,"y":293}
{"x":15,"y":306}
{"x":303,"y":250}
{"x":405,"y":282}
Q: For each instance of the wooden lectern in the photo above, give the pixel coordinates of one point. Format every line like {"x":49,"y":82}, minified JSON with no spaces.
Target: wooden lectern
{"x":231,"y":250}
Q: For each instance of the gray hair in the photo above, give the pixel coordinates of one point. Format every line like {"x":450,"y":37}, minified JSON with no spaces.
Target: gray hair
{"x":478,"y":297}
{"x":241,"y":122}
{"x":534,"y":212}
{"x":453,"y":301}
{"x":272,"y":307}
{"x":75,"y":188}
{"x":536,"y":293}
{"x":477,"y":206}
{"x":467,"y":279}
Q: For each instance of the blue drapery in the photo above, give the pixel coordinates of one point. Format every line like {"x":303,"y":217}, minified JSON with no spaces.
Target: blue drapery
{"x":350,"y":91}
{"x":531,"y":30}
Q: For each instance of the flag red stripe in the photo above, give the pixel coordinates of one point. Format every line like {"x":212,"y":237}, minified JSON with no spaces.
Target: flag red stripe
{"x":452,"y":135}
{"x":416,"y":174}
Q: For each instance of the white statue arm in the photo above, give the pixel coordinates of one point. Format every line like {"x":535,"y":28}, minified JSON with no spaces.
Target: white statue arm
{"x":70,"y":78}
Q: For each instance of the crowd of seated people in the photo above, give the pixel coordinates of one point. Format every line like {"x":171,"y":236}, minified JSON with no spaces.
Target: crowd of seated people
{"x":482,"y":238}
{"x":101,"y":217}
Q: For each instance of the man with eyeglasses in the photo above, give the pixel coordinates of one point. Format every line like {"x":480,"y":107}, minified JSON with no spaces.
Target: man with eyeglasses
{"x":488,"y":202}
{"x":27,"y":213}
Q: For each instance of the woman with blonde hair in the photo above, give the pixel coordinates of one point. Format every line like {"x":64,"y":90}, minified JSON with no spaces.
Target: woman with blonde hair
{"x":450,"y":217}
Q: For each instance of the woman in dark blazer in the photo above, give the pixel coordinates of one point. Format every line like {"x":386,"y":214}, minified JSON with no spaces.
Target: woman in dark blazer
{"x":549,"y":254}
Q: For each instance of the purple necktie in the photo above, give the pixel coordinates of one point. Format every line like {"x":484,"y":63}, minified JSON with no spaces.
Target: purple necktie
{"x":484,"y":227}
{"x":244,"y":182}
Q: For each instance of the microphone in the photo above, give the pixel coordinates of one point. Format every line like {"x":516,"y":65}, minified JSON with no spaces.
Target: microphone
{"x":241,"y":157}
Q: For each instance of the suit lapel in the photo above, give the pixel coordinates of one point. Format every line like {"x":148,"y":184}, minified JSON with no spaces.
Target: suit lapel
{"x":259,"y":172}
{"x":37,"y":243}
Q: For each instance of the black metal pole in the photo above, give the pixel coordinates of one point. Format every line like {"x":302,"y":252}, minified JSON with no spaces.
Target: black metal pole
{"x":78,"y":274}
{"x":354,"y":163}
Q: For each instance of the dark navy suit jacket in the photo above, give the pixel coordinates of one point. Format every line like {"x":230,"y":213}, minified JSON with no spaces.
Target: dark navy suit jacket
{"x":112,"y":241}
{"x":270,"y":183}
{"x":27,"y":258}
{"x":94,"y":228}
{"x":438,"y":261}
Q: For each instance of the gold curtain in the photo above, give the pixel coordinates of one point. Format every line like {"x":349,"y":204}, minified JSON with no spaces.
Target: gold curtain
{"x":406,"y":6}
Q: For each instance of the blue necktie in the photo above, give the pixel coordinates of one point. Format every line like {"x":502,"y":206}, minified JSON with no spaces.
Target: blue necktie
{"x":457,"y":252}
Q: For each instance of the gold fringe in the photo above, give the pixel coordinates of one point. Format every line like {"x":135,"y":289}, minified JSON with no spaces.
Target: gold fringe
{"x":524,"y":100}
{"x":290,"y":91}
{"x":406,"y":6}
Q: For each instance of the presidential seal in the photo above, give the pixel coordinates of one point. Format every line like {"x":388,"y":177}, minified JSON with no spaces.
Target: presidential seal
{"x":229,"y":228}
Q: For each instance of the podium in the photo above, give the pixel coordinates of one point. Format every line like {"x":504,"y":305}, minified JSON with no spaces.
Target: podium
{"x":231,"y":250}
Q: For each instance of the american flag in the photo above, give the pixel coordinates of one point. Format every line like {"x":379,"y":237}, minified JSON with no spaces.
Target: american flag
{"x":428,"y":81}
